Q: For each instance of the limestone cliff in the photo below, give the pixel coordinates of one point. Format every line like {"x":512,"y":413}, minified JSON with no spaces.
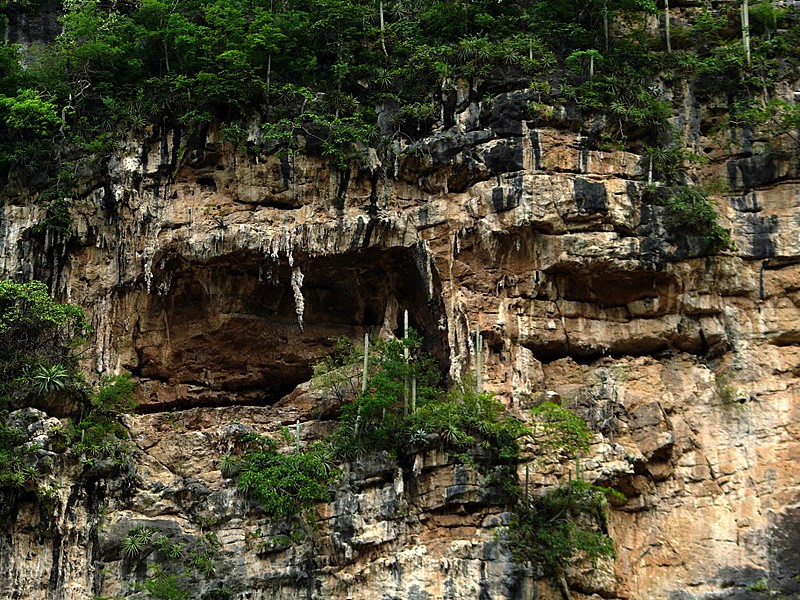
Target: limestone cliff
{"x":217,"y":275}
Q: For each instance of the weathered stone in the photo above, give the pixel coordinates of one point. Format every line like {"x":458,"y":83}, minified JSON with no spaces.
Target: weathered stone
{"x":219,"y":280}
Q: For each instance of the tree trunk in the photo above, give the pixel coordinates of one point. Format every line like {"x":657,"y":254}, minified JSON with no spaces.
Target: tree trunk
{"x":406,"y":356}
{"x":383,"y":30}
{"x":745,"y":12}
{"x":479,"y":361}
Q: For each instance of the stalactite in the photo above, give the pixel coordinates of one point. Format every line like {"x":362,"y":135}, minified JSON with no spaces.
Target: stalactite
{"x":297,"y":290}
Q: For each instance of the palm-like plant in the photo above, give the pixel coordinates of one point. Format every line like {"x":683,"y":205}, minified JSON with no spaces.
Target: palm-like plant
{"x":169,"y":548}
{"x":136,"y":542}
{"x":46,"y":379}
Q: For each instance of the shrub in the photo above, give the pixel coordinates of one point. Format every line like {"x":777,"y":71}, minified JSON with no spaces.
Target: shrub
{"x":165,"y":586}
{"x":385,"y":418}
{"x":15,"y":469}
{"x":169,"y":548}
{"x":136,"y":542}
{"x":100,"y":434}
{"x":776,"y":117}
{"x":565,"y":522}
{"x":690,"y":209}
{"x":336,"y":372}
{"x":116,"y":394}
{"x":286,"y":485}
{"x":559,"y":432}
{"x":36,"y":331}
{"x":202,"y":563}
{"x":465,"y":419}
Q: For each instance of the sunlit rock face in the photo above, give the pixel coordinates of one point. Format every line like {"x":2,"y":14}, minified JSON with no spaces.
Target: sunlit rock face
{"x":217,"y":277}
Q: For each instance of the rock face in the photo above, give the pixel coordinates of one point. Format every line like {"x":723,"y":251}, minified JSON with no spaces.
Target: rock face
{"x":217,"y":276}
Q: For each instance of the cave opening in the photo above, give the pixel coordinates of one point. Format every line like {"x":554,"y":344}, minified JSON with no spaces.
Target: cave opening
{"x":228,"y":330}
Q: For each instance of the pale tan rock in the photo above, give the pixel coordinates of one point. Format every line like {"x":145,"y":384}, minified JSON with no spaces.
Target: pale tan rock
{"x":685,"y":365}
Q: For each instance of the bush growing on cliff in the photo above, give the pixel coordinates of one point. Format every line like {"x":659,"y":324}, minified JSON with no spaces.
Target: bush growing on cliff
{"x":16,"y":471}
{"x":99,"y":433}
{"x":465,"y":419}
{"x":166,"y":586}
{"x":557,"y":432}
{"x":552,"y":527}
{"x":563,"y":523}
{"x":691,"y":210}
{"x":37,"y":336}
{"x":378,"y":418}
{"x":389,"y":417}
{"x":286,"y":485}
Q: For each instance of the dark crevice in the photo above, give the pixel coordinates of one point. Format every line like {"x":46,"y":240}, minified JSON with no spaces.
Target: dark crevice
{"x":232,"y":400}
{"x":275,"y":203}
{"x":546,"y":354}
{"x":780,"y":262}
{"x":372,"y":209}
{"x":786,"y":339}
{"x":341,"y":192}
{"x":207,"y":184}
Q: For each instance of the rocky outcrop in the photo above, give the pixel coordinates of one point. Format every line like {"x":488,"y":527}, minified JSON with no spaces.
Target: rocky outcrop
{"x":218,"y":275}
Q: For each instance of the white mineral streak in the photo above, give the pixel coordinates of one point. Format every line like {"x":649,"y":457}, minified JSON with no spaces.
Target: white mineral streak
{"x":297,"y":290}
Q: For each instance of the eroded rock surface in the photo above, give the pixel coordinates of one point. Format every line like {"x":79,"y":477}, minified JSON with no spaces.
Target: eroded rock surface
{"x":217,"y":276}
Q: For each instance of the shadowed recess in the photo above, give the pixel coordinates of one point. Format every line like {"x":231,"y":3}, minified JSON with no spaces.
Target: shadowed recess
{"x":227,"y":330}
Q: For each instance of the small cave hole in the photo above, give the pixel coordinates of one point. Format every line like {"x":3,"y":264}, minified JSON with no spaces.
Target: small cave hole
{"x":207,"y":184}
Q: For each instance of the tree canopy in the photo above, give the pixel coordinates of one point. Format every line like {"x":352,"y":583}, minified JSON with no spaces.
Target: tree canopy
{"x":329,"y":66}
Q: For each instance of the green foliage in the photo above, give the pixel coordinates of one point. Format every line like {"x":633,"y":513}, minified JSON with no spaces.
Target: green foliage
{"x":286,"y":485}
{"x":165,"y":586}
{"x":28,"y":114}
{"x":559,"y":432}
{"x":465,"y":419}
{"x":202,"y":562}
{"x":338,"y":138}
{"x":378,"y":418}
{"x":776,"y":116}
{"x":761,"y":585}
{"x":37,"y":336}
{"x":314,"y":71}
{"x":382,"y":419}
{"x":57,"y":217}
{"x":221,"y":593}
{"x":169,"y":548}
{"x":29,"y":305}
{"x":343,"y":354}
{"x":725,"y":390}
{"x":29,"y":125}
{"x":15,"y":469}
{"x":561,"y":524}
{"x":136,"y":542}
{"x":230,"y":466}
{"x":47,"y":379}
{"x":175,"y":557}
{"x":116,"y":394}
{"x":669,"y":162}
{"x":690,"y":209}
{"x":99,"y":434}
